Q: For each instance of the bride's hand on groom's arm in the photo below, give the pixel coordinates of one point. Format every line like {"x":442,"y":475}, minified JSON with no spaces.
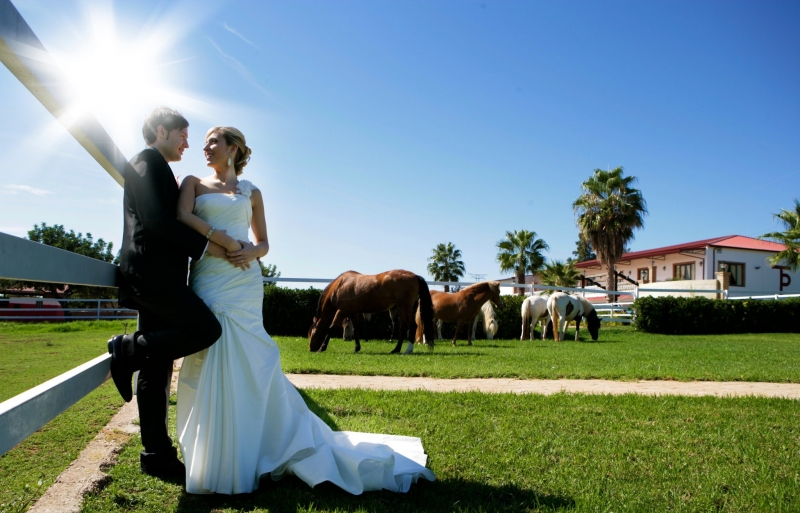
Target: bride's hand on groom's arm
{"x":245,"y":255}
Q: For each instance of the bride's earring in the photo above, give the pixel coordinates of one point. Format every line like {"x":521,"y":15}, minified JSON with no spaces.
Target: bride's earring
{"x":229,"y":160}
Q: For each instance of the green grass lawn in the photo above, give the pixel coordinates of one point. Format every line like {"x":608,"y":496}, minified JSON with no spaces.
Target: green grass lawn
{"x":491,"y":452}
{"x":30,"y":354}
{"x":621,"y":354}
{"x":533,"y":453}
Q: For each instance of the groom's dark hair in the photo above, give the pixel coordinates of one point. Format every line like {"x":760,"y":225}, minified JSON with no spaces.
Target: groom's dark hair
{"x":162,"y":116}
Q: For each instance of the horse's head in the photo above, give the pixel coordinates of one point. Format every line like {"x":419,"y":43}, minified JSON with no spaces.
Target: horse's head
{"x":316,"y":334}
{"x":491,"y":328}
{"x":593,"y":322}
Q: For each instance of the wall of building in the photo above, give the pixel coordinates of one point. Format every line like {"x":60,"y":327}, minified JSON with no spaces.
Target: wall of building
{"x":663,"y":267}
{"x":683,"y":284}
{"x":760,"y":278}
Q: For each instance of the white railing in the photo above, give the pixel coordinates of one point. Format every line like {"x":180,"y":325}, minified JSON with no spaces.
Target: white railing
{"x":530,"y":287}
{"x":769,"y":296}
{"x":614,"y":312}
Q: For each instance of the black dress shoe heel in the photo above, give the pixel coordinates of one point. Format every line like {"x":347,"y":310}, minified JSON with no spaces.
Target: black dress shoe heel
{"x":123,"y":378}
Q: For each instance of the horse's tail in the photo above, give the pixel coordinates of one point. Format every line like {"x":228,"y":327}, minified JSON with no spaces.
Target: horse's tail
{"x":426,"y":312}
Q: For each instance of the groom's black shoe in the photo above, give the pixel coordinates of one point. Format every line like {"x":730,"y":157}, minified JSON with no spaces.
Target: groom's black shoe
{"x":120,"y":371}
{"x":163,"y":465}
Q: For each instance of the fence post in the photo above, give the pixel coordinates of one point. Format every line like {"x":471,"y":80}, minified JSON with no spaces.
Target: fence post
{"x":98,"y":309}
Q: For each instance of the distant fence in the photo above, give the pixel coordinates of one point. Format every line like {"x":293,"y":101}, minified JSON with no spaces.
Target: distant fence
{"x":45,"y":309}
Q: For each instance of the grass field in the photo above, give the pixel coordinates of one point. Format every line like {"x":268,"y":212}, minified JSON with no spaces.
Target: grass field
{"x":30,"y":354}
{"x":512,"y":453}
{"x":621,"y":354}
{"x":490,"y":452}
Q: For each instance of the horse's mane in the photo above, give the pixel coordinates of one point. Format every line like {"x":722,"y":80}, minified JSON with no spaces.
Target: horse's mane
{"x":326,"y":292}
{"x":494,"y":286}
{"x":587,"y":305}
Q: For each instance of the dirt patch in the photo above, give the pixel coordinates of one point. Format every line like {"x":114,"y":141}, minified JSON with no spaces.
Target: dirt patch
{"x":86,"y":475}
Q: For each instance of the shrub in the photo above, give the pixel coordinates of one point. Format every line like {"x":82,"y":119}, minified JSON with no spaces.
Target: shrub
{"x":703,"y":316}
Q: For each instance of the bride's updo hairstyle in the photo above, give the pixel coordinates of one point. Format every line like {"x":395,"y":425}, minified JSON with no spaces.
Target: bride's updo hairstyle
{"x":233,"y":137}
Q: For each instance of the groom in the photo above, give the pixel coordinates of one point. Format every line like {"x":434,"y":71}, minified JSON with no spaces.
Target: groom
{"x":173,"y":321}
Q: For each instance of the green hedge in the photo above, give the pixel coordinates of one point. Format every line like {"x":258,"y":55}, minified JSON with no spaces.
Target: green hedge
{"x":702,"y":316}
{"x":288,"y":312}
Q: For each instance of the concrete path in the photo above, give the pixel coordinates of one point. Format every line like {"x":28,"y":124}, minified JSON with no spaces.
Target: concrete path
{"x":551,"y":386}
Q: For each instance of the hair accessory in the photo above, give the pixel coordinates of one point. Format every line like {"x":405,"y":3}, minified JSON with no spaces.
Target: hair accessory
{"x":208,"y":235}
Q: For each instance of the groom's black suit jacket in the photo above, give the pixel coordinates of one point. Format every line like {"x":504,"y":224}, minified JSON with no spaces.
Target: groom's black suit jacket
{"x":155,"y":245}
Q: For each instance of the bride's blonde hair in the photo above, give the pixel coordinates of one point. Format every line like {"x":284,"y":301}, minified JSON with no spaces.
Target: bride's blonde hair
{"x":233,"y":137}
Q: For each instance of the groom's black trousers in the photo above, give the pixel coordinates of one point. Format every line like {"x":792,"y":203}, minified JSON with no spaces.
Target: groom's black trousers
{"x":172,"y":325}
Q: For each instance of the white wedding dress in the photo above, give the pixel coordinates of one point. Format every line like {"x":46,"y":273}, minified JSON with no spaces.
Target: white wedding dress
{"x":238,"y":415}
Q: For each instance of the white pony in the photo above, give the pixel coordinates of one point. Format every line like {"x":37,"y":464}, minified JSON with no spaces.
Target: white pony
{"x":534,"y":310}
{"x":564,"y":308}
{"x":486,"y":315}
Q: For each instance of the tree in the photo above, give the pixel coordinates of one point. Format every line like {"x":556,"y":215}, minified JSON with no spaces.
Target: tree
{"x":559,"y":274}
{"x":58,"y":237}
{"x":269,"y":271}
{"x":607,"y":212}
{"x":789,"y":238}
{"x":583,"y":251}
{"x":445,"y":264}
{"x":521,"y":253}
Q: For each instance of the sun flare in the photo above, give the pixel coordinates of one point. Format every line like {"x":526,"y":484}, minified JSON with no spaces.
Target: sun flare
{"x":115,"y":78}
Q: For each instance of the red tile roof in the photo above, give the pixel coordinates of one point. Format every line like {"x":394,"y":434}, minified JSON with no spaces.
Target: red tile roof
{"x":729,"y":241}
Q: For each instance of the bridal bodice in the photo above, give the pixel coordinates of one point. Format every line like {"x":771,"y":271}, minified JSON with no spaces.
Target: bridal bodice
{"x":229,"y":212}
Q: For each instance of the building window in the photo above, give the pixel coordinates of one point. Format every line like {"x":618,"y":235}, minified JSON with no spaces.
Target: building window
{"x":736,"y":270}
{"x":683,"y":271}
{"x":643,"y":275}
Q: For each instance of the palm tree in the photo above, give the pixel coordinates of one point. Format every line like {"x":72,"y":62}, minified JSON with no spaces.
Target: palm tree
{"x":521,"y":253}
{"x":445,"y":264}
{"x":583,"y":251}
{"x":789,"y":238}
{"x":558,"y":273}
{"x":607,"y":213}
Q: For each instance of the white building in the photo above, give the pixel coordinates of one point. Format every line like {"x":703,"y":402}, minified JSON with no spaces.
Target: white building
{"x":745,"y":258}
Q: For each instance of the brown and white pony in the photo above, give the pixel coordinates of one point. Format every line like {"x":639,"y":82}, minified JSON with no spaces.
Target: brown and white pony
{"x":352,"y":293}
{"x":462,"y":306}
{"x":564,"y":308}
{"x":533,"y":311}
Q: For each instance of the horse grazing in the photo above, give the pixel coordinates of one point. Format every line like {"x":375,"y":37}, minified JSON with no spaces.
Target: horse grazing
{"x":352,"y":294}
{"x":534,"y":311}
{"x":485,"y":315}
{"x":564,"y":308}
{"x":462,"y":306}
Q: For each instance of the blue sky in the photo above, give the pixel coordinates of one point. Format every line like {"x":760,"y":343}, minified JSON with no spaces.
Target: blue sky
{"x":381,"y":128}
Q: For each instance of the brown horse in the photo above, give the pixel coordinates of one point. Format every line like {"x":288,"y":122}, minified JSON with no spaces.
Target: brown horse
{"x":462,"y":306}
{"x":352,"y":293}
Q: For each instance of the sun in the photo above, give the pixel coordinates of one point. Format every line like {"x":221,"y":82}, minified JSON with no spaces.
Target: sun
{"x":117,"y":79}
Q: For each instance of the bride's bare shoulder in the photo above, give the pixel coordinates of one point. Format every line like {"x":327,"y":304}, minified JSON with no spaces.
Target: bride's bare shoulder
{"x":190,"y":181}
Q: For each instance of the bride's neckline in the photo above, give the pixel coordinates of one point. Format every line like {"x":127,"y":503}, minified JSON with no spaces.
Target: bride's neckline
{"x":222,"y":193}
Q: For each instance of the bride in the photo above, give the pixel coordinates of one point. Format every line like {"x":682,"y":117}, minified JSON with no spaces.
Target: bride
{"x":238,"y":415}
